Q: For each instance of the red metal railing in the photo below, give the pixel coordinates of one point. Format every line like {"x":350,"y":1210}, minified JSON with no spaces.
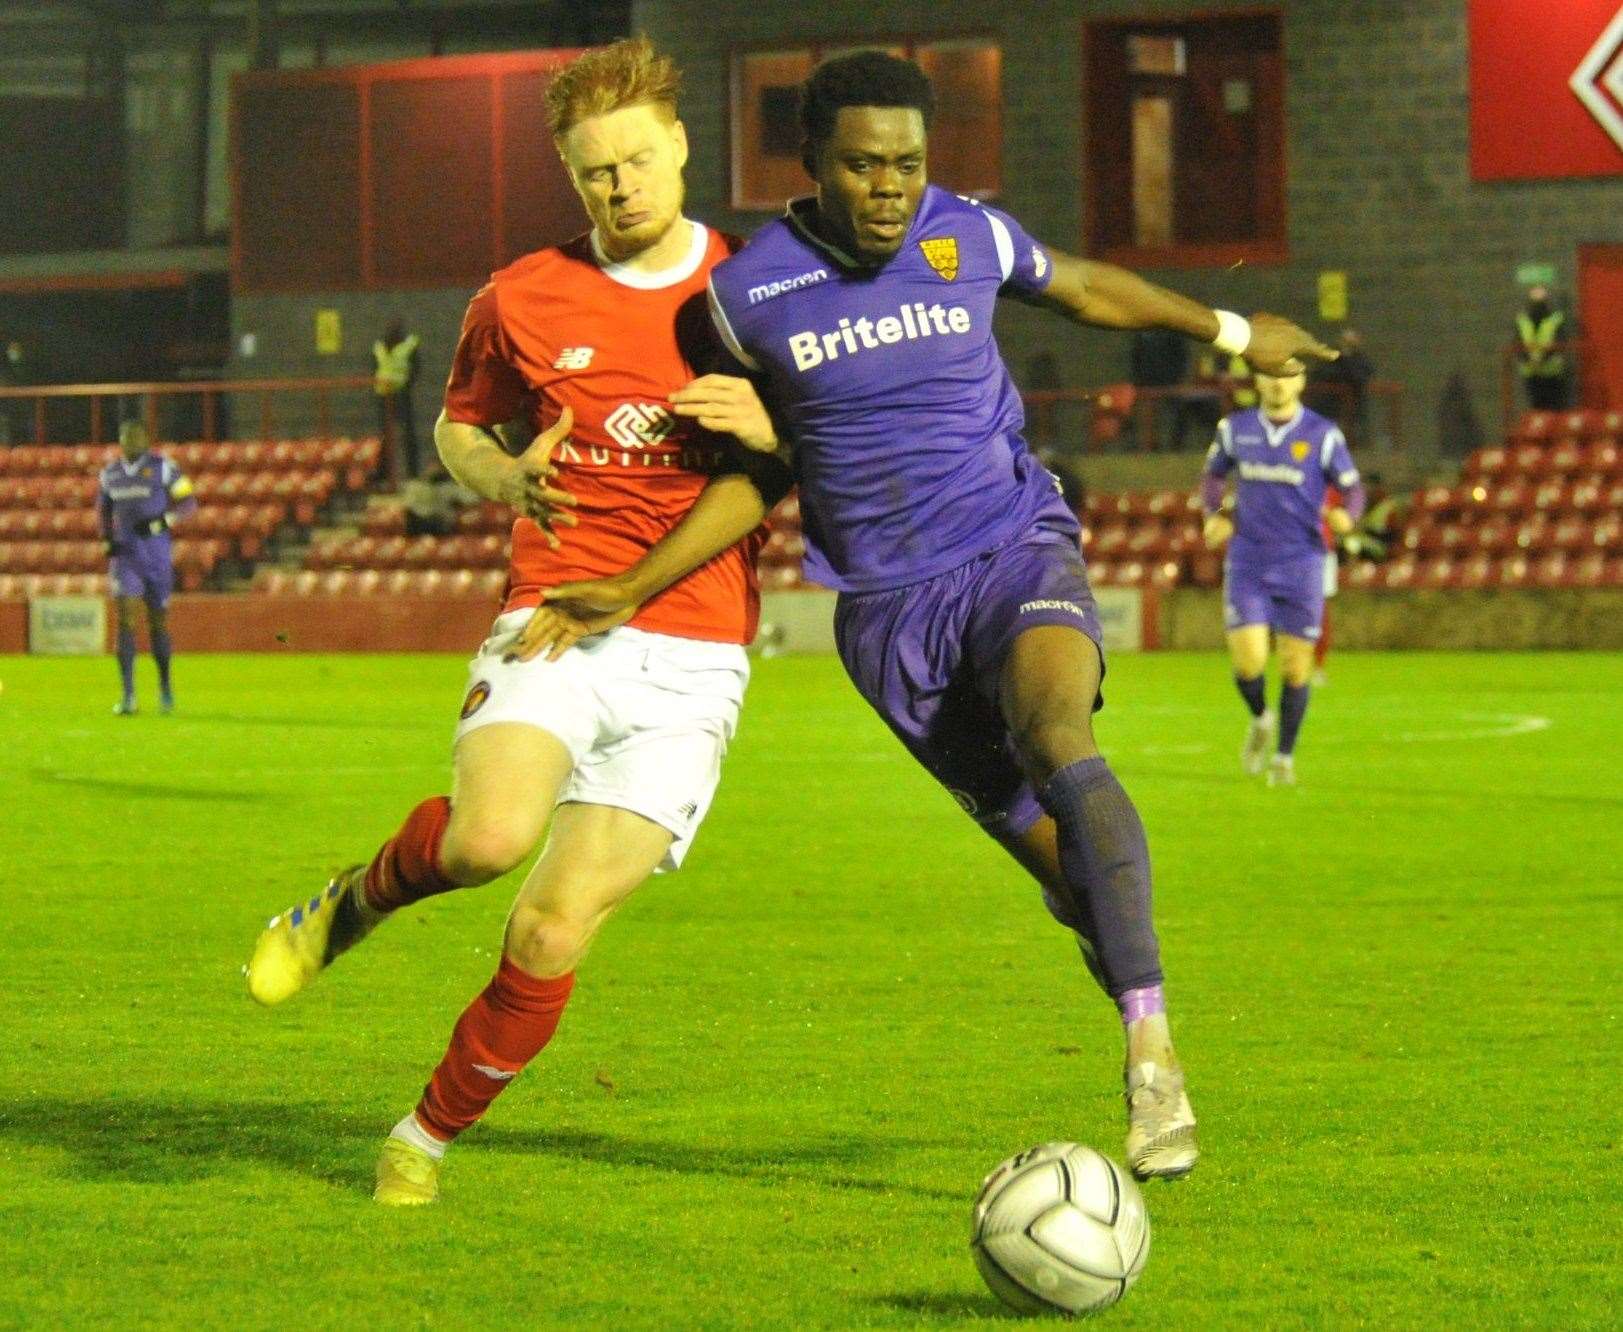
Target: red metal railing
{"x":1383,"y":397}
{"x":268,"y":392}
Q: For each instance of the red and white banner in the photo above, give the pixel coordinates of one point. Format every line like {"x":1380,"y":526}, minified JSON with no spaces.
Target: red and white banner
{"x":1546,"y":89}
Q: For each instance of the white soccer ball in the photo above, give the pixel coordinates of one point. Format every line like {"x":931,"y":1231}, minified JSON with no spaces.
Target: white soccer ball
{"x":1060,"y":1227}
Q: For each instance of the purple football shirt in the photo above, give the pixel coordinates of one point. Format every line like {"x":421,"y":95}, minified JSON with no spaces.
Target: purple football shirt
{"x":1283,"y":469}
{"x":905,"y":423}
{"x":135,"y":494}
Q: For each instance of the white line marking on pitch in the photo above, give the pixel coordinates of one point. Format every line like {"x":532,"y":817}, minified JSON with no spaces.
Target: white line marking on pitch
{"x":1503,"y":724}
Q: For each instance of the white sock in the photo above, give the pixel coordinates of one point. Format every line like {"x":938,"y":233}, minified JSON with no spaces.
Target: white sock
{"x":409,"y":1130}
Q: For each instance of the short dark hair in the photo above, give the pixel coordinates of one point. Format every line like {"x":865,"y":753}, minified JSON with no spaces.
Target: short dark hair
{"x":864,"y":78}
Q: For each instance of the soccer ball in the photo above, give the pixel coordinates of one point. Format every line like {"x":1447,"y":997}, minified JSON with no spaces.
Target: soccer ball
{"x":1060,"y":1228}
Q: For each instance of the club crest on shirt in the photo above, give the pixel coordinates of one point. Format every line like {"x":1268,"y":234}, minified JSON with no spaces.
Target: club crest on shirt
{"x":942,"y":255}
{"x":1300,"y":449}
{"x":475,"y":699}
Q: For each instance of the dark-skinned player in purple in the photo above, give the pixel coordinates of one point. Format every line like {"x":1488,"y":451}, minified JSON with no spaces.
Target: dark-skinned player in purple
{"x":864,"y":317}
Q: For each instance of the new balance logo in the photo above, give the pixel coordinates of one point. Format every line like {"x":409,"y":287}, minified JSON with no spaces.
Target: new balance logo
{"x":574,"y":358}
{"x":496,"y":1074}
{"x":811,"y":349}
{"x":766,"y":291}
{"x":688,"y":810}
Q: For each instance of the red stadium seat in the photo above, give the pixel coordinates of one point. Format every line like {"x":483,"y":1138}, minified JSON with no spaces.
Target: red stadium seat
{"x":1531,"y":461}
{"x":1435,"y":573}
{"x":421,"y":553}
{"x":1493,"y":537}
{"x":1570,"y":534}
{"x":1361,"y":574}
{"x":1550,"y":570}
{"x":1149,"y":541}
{"x":1536,"y":425}
{"x":1511,"y":500}
{"x":386,"y":519}
{"x":426,"y":582}
{"x":1587,"y":497}
{"x":1513,"y":571}
{"x":1552,"y":496}
{"x":1607,"y":535}
{"x":1478,"y":571}
{"x":492,"y":582}
{"x":1589,"y":571}
{"x":1110,"y":540}
{"x":459,"y":582}
{"x":1566,"y":458}
{"x":1488,"y":463}
{"x":1399,"y":573}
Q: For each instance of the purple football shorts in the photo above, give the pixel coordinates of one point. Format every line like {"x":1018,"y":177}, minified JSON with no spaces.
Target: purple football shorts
{"x":1285,"y":595}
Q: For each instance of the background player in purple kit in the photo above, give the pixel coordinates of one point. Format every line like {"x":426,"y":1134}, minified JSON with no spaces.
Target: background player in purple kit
{"x":1273,"y":575}
{"x":141,"y":495}
{"x":965,"y":617}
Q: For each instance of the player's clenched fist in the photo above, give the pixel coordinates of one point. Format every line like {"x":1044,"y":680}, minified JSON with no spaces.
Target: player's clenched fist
{"x":729,"y":406}
{"x":526,"y":490}
{"x":1216,"y":532}
{"x":1277,"y":346}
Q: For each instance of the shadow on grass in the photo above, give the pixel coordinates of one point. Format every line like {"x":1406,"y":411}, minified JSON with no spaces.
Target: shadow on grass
{"x":951,"y":1304}
{"x":153,"y":1140}
{"x":156,"y":790}
{"x":795,"y":1162}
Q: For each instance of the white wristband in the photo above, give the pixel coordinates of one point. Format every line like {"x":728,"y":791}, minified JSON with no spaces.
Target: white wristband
{"x":1233,"y":332}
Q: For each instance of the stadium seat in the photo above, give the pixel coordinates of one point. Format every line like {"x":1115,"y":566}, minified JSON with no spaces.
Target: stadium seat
{"x":492,"y":582}
{"x":1529,"y":461}
{"x":1399,"y":573}
{"x":1487,"y":463}
{"x":1477,"y":571}
{"x":1513,"y":571}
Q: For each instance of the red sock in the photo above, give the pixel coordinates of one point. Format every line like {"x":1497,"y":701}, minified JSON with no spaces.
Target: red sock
{"x":406,"y":869}
{"x":497,"y":1035}
{"x":1321,"y":649}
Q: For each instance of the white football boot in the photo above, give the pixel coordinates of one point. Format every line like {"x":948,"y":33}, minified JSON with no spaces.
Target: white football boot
{"x":1161,"y":1141}
{"x":1282,"y":771}
{"x":1259,"y":743}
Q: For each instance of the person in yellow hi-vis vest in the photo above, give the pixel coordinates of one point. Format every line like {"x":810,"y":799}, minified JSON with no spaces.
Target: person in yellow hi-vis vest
{"x":394,"y":372}
{"x":1540,"y":332}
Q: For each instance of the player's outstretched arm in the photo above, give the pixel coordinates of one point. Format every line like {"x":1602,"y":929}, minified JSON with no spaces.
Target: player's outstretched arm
{"x":475,"y":457}
{"x":1112,"y":297}
{"x":728,"y":509}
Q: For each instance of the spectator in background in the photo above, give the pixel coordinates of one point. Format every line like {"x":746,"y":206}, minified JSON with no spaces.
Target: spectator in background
{"x":1540,"y":331}
{"x":1159,"y":359}
{"x":432,"y":501}
{"x":394,"y":373}
{"x":14,"y":373}
{"x":1340,"y":388}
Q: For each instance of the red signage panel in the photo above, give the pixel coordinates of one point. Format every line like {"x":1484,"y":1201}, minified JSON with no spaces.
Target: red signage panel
{"x":1546,"y":89}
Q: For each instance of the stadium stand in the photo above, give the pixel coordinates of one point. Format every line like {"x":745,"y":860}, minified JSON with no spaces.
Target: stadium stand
{"x":1543,"y":510}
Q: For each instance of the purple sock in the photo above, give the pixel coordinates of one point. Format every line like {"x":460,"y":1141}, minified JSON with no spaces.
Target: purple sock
{"x":126,"y":659}
{"x":1292,"y":708}
{"x":1146,"y":1001}
{"x":161,"y":654}
{"x":1251,"y":691}
{"x":1106,"y":863}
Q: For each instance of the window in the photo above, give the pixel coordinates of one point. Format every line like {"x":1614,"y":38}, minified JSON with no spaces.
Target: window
{"x":1186,"y":141}
{"x":966,"y":137}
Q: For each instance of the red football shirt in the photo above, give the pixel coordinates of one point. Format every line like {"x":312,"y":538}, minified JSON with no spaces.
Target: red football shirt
{"x":568,"y":327}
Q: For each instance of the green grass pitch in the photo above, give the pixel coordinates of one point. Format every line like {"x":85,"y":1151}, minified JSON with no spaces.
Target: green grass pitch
{"x":1396,"y":990}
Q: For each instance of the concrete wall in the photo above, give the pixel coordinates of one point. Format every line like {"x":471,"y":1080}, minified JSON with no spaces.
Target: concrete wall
{"x":1377,"y":147}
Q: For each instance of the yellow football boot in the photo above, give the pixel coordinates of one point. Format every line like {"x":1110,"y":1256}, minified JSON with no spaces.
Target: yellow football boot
{"x":407,"y":1175}
{"x":303,"y":939}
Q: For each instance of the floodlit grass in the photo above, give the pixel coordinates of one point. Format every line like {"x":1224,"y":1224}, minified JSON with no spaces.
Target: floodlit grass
{"x":786,"y":1069}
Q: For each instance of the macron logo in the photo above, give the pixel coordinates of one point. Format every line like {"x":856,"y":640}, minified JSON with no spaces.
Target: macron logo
{"x":916,"y":321}
{"x":766,"y":291}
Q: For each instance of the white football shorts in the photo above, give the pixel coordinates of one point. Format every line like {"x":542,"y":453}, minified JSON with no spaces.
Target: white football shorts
{"x":646,"y":717}
{"x":1332,"y":568}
